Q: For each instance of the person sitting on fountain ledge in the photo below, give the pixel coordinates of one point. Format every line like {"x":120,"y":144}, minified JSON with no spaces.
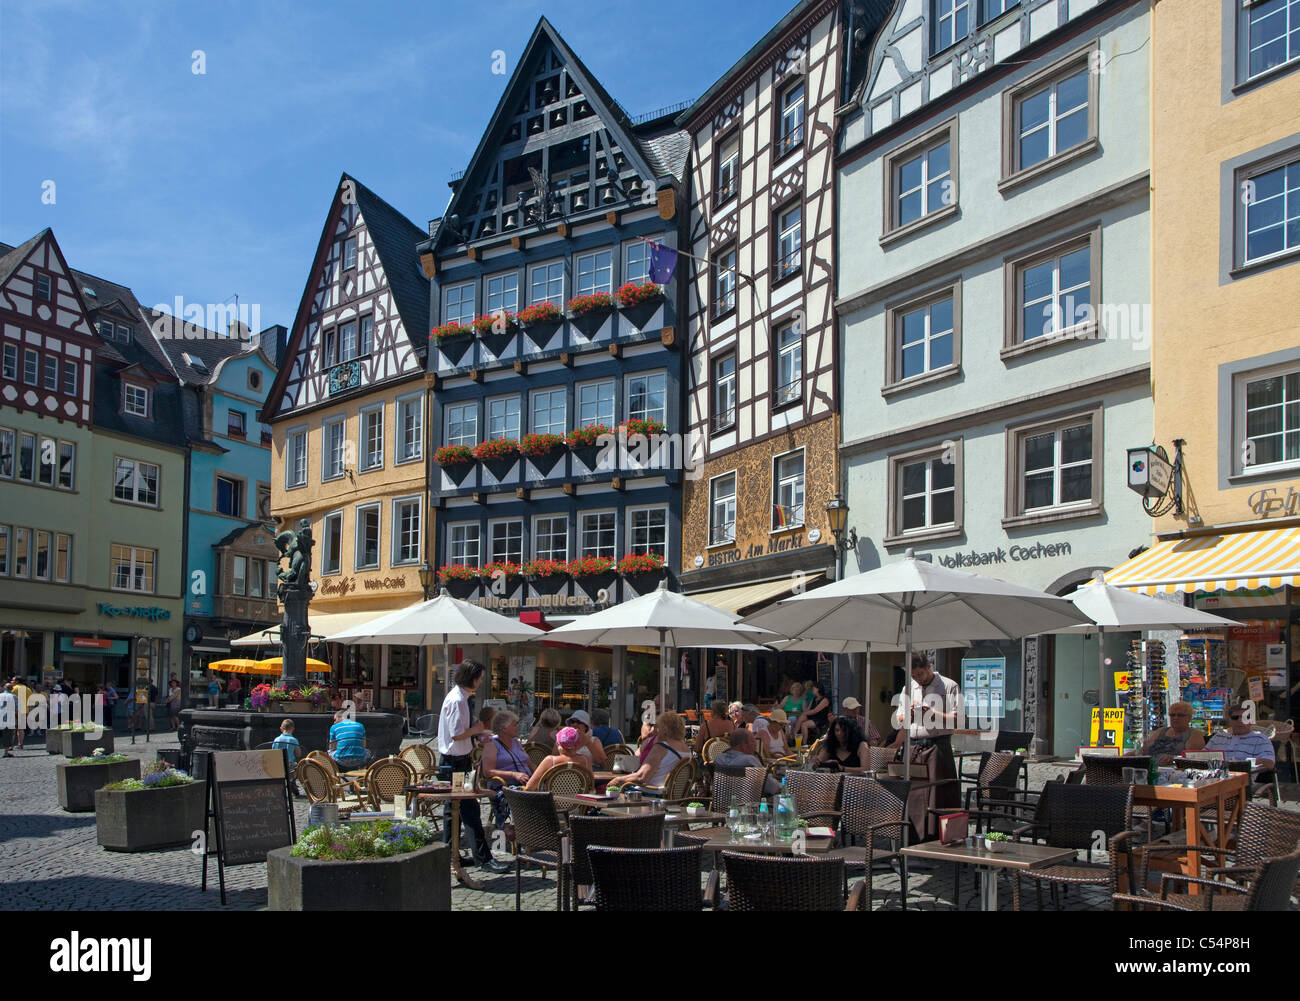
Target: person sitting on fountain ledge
{"x":348,"y":741}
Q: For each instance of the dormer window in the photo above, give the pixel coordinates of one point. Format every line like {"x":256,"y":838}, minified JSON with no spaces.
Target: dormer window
{"x":44,"y":287}
{"x":350,"y":253}
{"x":195,"y":363}
{"x":105,"y":329}
{"x":135,"y":400}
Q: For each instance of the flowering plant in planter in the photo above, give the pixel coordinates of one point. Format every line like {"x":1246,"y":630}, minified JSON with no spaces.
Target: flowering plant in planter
{"x":311,"y":693}
{"x":260,"y":697}
{"x":538,"y":445}
{"x":589,"y":566}
{"x":546,"y":568}
{"x":499,"y":323}
{"x":589,"y":435}
{"x":585,"y":305}
{"x":449,"y":330}
{"x":369,"y":840}
{"x":638,"y":426}
{"x":457,"y":573}
{"x":453,"y":455}
{"x":635,"y":293}
{"x":278,"y":695}
{"x":97,"y":758}
{"x":497,"y":448}
{"x":641,"y":563}
{"x":489,"y":570}
{"x":156,"y":776}
{"x":542,"y":312}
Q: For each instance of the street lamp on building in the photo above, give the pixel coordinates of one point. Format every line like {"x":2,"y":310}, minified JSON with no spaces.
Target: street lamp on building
{"x":426,"y":579}
{"x":837,"y":516}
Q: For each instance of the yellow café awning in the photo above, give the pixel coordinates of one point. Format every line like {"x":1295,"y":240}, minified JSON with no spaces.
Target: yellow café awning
{"x":321,"y":623}
{"x":750,"y":596}
{"x":1228,"y":562}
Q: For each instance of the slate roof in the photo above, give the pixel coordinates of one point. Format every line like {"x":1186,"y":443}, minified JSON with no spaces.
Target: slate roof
{"x":208,"y":346}
{"x":395,"y":238}
{"x":13,"y":256}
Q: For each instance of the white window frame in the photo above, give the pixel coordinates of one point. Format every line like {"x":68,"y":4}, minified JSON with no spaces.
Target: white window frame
{"x":1291,"y":22}
{"x":583,"y":516}
{"x":365,"y":335}
{"x":49,"y":287}
{"x":131,"y":400}
{"x":714,"y":502}
{"x":295,"y":439}
{"x":536,"y":537}
{"x":798,"y":486}
{"x":358,"y":546}
{"x":400,"y":505}
{"x":349,"y":252}
{"x":596,"y":384}
{"x":408,"y":442}
{"x":455,"y":299}
{"x":1016,"y":437}
{"x":50,"y":373}
{"x":551,"y":278}
{"x":331,"y":562}
{"x":639,"y":549}
{"x":896,"y":532}
{"x":501,"y":292}
{"x":587,"y":270}
{"x":137,"y":479}
{"x":25,"y":436}
{"x":1241,"y":382}
{"x":71,"y":377}
{"x":945,"y":179}
{"x":1014,"y":171}
{"x":71,"y":449}
{"x":470,"y":534}
{"x":726,"y":177}
{"x":793,"y":117}
{"x":22,"y":553}
{"x":470,"y":407}
{"x":505,"y":523}
{"x":31,"y":367}
{"x":659,"y":414}
{"x":724,"y":281}
{"x":724,"y":390}
{"x":897,"y":318}
{"x":789,"y":242}
{"x":135,"y":566}
{"x":329,"y":469}
{"x":789,"y":355}
{"x":238,"y":576}
{"x":370,"y":455}
{"x":946,"y":13}
{"x":42,"y":539}
{"x":1249,"y":199}
{"x":348,"y":340}
{"x":550,"y":427}
{"x":636,"y":262}
{"x":256,"y":577}
{"x":504,"y":417}
{"x":46,"y":446}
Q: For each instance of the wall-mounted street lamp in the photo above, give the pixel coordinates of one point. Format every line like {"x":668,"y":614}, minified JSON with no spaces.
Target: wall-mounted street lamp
{"x":426,"y":579}
{"x":837,"y":516}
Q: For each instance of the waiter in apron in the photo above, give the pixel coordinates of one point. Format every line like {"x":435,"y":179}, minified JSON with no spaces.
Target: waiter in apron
{"x":933,"y":704}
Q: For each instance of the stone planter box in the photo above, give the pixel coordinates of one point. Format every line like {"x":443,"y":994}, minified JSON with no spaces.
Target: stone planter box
{"x":148,"y":819}
{"x":77,"y":744}
{"x":79,"y":783}
{"x":418,"y":881}
{"x":54,"y":741}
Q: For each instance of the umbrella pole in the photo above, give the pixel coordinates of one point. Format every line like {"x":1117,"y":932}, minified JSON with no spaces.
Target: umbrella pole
{"x":907,"y":692}
{"x":446,"y":659}
{"x":663,"y":699}
{"x":1101,"y":668}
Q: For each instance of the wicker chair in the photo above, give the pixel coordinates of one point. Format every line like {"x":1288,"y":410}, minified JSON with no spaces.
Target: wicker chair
{"x":386,"y":778}
{"x":1269,"y":890}
{"x":323,"y":785}
{"x":996,"y":779}
{"x":1263,"y":832}
{"x":875,"y":810}
{"x":1013,"y":740}
{"x":421,"y":759}
{"x":772,"y":883}
{"x":1103,"y":770}
{"x":713,"y":747}
{"x":1069,"y":816}
{"x":568,"y":779}
{"x":616,"y":749}
{"x":646,"y":879}
{"x":677,"y":785}
{"x":643,"y":831}
{"x":880,"y":757}
{"x":536,"y":752}
{"x":816,"y":796}
{"x":745,"y":784}
{"x":537,"y":837}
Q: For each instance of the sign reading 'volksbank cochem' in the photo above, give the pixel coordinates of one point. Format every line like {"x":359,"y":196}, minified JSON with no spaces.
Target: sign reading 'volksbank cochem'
{"x":1008,"y":554}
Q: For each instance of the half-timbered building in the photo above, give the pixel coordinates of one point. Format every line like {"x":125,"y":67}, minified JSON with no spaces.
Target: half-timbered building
{"x":554,"y":335}
{"x":348,"y":411}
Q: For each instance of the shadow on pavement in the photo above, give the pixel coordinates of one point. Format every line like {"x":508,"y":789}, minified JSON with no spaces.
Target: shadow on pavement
{"x":105,"y":893}
{"x":38,"y":825}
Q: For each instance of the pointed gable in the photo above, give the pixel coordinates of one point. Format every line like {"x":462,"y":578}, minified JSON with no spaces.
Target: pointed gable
{"x":364,"y":316}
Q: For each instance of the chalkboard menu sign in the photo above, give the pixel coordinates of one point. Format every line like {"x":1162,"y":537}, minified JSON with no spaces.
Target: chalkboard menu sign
{"x":250,"y":808}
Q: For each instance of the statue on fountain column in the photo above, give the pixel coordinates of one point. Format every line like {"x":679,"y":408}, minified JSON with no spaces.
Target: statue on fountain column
{"x":295,"y":591}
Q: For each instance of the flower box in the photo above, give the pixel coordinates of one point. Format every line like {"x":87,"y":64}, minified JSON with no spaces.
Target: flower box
{"x":497,"y":332}
{"x":450,"y":332}
{"x":591,"y":566}
{"x":297,"y":706}
{"x":636,"y":426}
{"x":79,"y":783}
{"x":641,"y":563}
{"x":78,"y":743}
{"x":453,"y":455}
{"x":146,"y":819}
{"x":591,"y":305}
{"x":538,"y":446}
{"x":638,"y":294}
{"x":587,"y":444}
{"x":417,"y":881}
{"x":542,"y":314}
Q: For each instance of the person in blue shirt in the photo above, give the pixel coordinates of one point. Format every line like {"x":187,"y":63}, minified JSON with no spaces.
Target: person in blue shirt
{"x":348,"y":741}
{"x":288,"y":741}
{"x":1240,"y":742}
{"x":602,"y":731}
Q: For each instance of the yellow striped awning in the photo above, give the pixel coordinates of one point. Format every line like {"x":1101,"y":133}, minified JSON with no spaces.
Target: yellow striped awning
{"x":1230,"y":562}
{"x":733,"y":599}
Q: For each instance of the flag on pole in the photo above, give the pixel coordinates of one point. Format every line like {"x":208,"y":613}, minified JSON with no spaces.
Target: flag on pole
{"x":663,"y":262}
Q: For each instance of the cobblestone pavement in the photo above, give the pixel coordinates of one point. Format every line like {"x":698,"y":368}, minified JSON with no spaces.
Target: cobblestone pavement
{"x":49,"y":860}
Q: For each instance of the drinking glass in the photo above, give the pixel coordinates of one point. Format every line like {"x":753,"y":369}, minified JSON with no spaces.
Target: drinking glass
{"x":749,"y":823}
{"x":765,"y":826}
{"x":733,"y":820}
{"x":798,"y":742}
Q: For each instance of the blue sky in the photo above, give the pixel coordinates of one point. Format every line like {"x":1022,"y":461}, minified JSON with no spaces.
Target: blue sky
{"x":215,"y":184}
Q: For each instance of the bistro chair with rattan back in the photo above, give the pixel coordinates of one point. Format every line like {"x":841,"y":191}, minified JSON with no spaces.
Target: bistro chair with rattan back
{"x":323,"y":786}
{"x":1271,"y":889}
{"x":994,"y":781}
{"x":678,"y":783}
{"x":537,"y":752}
{"x":421,"y":759}
{"x":386,"y":778}
{"x":568,"y":779}
{"x":745,"y":784}
{"x":613,"y":750}
{"x":713,"y":747}
{"x":1067,"y":816}
{"x":641,"y":831}
{"x":874,"y":812}
{"x":773,"y":883}
{"x":646,"y":879}
{"x":880,"y":757}
{"x":1013,"y":740}
{"x":816,"y":796}
{"x":537,"y":837}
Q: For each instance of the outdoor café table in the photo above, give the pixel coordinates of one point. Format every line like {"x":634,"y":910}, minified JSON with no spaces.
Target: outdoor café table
{"x":604,"y":776}
{"x":1185,"y":803}
{"x":1015,"y":855}
{"x":596,"y":801}
{"x":427,"y":796}
{"x":721,"y":842}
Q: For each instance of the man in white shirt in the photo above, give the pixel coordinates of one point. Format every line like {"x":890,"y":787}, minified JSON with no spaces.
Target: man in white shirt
{"x":933,"y":711}
{"x":457,"y":729}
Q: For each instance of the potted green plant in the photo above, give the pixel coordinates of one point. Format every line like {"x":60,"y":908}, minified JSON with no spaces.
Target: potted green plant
{"x":161,"y":809}
{"x":386,"y":865}
{"x":78,"y":778}
{"x":76,"y":740}
{"x":996,"y":841}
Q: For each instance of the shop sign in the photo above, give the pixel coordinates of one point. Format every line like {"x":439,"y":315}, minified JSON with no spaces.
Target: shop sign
{"x":89,"y":643}
{"x":1270,"y":501}
{"x":757,"y":549}
{"x":545,"y":601}
{"x":1014,"y":554}
{"x":134,"y":612}
{"x":1107,"y":728}
{"x":1254,"y":634}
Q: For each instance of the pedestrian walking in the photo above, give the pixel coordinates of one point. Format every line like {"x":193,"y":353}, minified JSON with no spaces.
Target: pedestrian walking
{"x":9,"y":711}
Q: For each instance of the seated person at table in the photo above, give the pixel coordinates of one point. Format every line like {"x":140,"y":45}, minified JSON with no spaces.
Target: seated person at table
{"x":852,"y":709}
{"x":485,"y":717}
{"x":504,"y":762}
{"x":773,"y":741}
{"x":795,"y":702}
{"x":567,"y":744}
{"x":751,"y":720}
{"x":591,"y":747}
{"x":814,"y":720}
{"x":714,"y":726}
{"x":845,"y":746}
{"x":601,"y":729}
{"x":544,"y":731}
{"x":741,"y":755}
{"x":670,"y":748}
{"x":348,"y":741}
{"x":1240,"y":742}
{"x":1171,"y":741}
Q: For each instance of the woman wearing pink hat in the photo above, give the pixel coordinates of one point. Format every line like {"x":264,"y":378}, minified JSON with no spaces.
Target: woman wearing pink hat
{"x":568,"y":742}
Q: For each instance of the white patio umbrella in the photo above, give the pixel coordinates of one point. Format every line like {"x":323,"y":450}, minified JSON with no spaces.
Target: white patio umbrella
{"x":896,"y":603}
{"x":665,"y":618}
{"x":1122,"y":610}
{"x":442,"y":620}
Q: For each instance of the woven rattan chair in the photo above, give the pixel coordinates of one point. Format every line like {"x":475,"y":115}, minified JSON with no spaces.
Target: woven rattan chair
{"x":875,"y":812}
{"x":646,"y":879}
{"x":880,"y":757}
{"x":568,"y":779}
{"x":678,"y":783}
{"x":745,"y":784}
{"x":713,"y":747}
{"x":1104,"y":770}
{"x":537,"y":837}
{"x":772,"y":883}
{"x":421,"y":759}
{"x":616,"y":749}
{"x":386,"y":778}
{"x":1270,"y":890}
{"x":995,"y":779}
{"x":323,"y":786}
{"x":1070,"y":817}
{"x":536,"y":752}
{"x":643,"y":831}
{"x":816,"y":796}
{"x":1013,"y":740}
